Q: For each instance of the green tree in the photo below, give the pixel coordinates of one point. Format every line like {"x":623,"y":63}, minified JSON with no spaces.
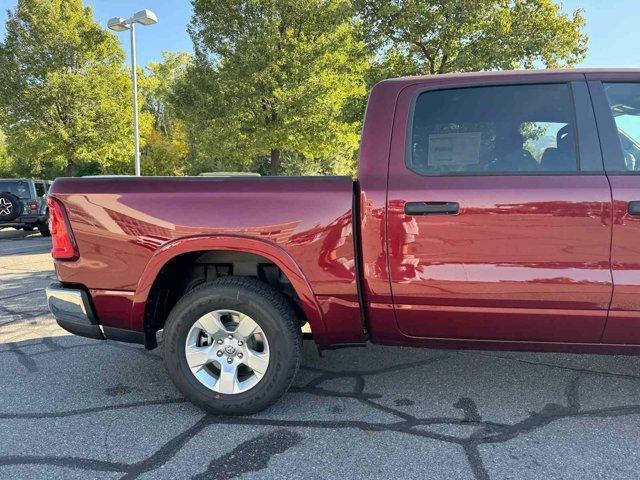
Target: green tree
{"x":440,"y":36}
{"x":271,"y":83}
{"x":166,"y":149}
{"x":159,"y":83}
{"x":65,"y":96}
{"x":7,"y":167}
{"x":164,"y":155}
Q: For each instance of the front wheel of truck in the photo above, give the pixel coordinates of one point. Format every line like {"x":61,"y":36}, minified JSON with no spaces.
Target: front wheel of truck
{"x":232,"y":346}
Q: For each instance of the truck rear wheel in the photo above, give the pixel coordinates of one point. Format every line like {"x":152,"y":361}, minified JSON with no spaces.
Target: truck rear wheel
{"x":232,"y":346}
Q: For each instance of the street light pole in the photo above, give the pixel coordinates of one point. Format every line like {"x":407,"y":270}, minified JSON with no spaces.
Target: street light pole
{"x":119,"y":24}
{"x":134,"y":81}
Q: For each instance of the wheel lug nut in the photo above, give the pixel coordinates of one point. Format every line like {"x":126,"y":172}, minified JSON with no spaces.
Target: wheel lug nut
{"x":229,"y":360}
{"x":219,"y":341}
{"x":230,"y":336}
{"x":219,"y":353}
{"x":239,"y":355}
{"x":240,"y":343}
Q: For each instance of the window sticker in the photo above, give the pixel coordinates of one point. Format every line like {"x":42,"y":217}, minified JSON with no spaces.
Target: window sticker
{"x":454,"y":151}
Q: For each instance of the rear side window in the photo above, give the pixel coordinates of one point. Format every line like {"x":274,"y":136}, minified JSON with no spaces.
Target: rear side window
{"x":624,"y":101}
{"x":520,"y":129}
{"x":39,"y":189}
{"x":19,"y":188}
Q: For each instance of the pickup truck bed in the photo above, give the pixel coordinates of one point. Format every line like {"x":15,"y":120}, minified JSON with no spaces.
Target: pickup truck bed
{"x":120,"y":226}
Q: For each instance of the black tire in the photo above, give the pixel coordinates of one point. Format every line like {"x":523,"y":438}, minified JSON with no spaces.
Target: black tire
{"x":27,"y":229}
{"x":43,"y":228}
{"x":10,"y":207}
{"x":269,"y":309}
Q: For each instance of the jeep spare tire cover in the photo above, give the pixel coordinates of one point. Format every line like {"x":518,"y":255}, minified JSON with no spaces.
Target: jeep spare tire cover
{"x":10,"y":207}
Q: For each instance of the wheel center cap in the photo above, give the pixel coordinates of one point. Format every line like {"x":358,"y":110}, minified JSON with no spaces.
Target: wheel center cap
{"x":230,"y":349}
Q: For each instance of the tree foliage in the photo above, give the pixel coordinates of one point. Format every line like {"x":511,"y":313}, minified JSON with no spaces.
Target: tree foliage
{"x":277,"y":85}
{"x":166,"y":150}
{"x":440,"y":36}
{"x":7,"y":167}
{"x":159,"y":83}
{"x":270,"y":85}
{"x":65,"y":96}
{"x":274,"y":86}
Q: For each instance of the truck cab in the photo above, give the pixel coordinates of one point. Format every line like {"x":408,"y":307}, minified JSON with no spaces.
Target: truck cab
{"x":511,"y":202}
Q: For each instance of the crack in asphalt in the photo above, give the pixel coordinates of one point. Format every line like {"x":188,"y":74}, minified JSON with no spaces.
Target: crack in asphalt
{"x":21,"y":294}
{"x":84,"y":411}
{"x":262,"y":448}
{"x":22,"y":315}
{"x":559,"y":367}
{"x":25,"y":360}
{"x":69,"y":462}
{"x":486,"y":432}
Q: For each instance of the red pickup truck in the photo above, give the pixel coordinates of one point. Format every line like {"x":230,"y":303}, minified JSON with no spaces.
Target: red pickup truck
{"x":491,"y":210}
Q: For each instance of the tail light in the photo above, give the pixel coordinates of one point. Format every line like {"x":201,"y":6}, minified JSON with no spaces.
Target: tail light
{"x":29,"y":208}
{"x":64,"y":245}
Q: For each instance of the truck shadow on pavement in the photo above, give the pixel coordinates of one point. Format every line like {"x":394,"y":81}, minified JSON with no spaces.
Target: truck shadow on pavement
{"x":21,"y":286}
{"x":472,"y":401}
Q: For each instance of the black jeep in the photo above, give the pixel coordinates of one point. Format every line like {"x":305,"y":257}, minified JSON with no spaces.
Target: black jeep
{"x":23,"y":204}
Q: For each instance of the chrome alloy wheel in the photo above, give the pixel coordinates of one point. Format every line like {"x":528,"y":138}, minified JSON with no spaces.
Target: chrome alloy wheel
{"x":227,"y":351}
{"x":5,"y":206}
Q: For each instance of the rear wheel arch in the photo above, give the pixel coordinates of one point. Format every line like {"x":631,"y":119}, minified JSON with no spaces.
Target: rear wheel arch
{"x":181,"y":248}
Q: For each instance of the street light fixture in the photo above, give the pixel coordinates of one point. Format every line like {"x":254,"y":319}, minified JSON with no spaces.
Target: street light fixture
{"x":119,"y":24}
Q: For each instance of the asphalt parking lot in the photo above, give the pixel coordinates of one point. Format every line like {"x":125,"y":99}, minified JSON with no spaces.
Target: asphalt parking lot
{"x":78,"y":408}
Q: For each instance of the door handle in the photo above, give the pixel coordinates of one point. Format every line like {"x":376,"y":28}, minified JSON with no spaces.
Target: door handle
{"x":634,"y":208}
{"x":433,"y":208}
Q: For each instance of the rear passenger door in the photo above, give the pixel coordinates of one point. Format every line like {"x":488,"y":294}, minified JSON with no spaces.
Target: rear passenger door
{"x":616,"y":99}
{"x":499,"y":213}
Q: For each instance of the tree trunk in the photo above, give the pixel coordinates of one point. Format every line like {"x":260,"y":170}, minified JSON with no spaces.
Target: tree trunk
{"x":275,"y":161}
{"x":68,"y":170}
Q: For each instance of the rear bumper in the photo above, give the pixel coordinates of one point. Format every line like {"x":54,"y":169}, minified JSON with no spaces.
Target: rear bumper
{"x":73,"y":311}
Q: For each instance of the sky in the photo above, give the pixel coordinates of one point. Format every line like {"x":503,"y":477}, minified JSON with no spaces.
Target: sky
{"x":611,"y":26}
{"x":169,"y":34}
